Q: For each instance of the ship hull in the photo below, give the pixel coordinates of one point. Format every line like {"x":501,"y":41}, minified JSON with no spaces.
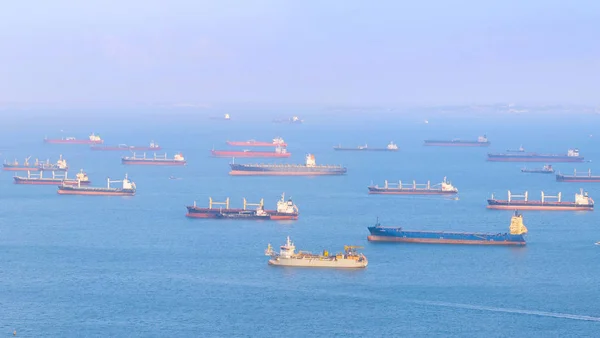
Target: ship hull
{"x":367,"y":149}
{"x":392,"y":191}
{"x":132,"y":148}
{"x":456,"y":143}
{"x":317,"y":263}
{"x":535,"y":158}
{"x":153,"y":162}
{"x":249,"y":154}
{"x":537,"y":172}
{"x":54,"y":141}
{"x":11,"y":168}
{"x":538,"y":205}
{"x":94,"y":192}
{"x":281,"y":173}
{"x":195,"y":212}
{"x":44,"y":181}
{"x":284,"y":170}
{"x":255,"y":144}
{"x":563,"y":178}
{"x":441,"y":237}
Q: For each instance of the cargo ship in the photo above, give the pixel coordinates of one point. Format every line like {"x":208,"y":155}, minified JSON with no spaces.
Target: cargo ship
{"x":390,"y":147}
{"x":123,"y":147}
{"x":127,"y":189}
{"x":279,"y":152}
{"x":286,"y":210}
{"x":287,"y":256}
{"x":277,"y":142}
{"x":547,"y":169}
{"x":60,"y":165}
{"x":582,"y":202}
{"x":308,"y":169}
{"x":92,"y":139}
{"x":481,"y":141}
{"x":577,"y":177}
{"x":56,"y":179}
{"x":572,"y":155}
{"x":515,"y":236}
{"x":291,"y":120}
{"x":177,"y":160}
{"x":444,"y":188}
{"x":225,"y":117}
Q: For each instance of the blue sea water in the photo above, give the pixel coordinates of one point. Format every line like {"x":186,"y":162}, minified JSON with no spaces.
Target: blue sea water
{"x":135,"y":266}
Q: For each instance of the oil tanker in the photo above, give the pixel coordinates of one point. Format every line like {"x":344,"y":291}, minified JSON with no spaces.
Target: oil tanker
{"x":56,"y":179}
{"x":286,"y":210}
{"x":577,"y":177}
{"x":127,"y":189}
{"x":287,"y":256}
{"x":277,"y":142}
{"x":279,"y":152}
{"x":390,"y":147}
{"x":60,"y":165}
{"x":177,"y":160}
{"x":123,"y":147}
{"x":515,"y":236}
{"x":308,"y":169}
{"x":444,"y":188}
{"x":481,"y":141}
{"x":582,"y":202}
{"x":572,"y":155}
{"x":92,"y":139}
{"x":547,"y":169}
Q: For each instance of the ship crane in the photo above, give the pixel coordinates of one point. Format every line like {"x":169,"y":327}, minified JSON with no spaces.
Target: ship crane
{"x":211,"y":203}
{"x":525,"y":196}
{"x":260,"y":205}
{"x":558,"y":197}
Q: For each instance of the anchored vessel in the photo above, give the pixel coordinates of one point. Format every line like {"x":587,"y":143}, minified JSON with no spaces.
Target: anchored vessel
{"x":279,"y":152}
{"x":124,"y":147}
{"x":287,"y":256}
{"x":127,"y":189}
{"x":520,"y":150}
{"x":572,"y":155}
{"x":481,"y":141}
{"x":578,"y":177}
{"x":547,"y":169}
{"x":515,"y":236}
{"x":178,"y":159}
{"x":225,"y":117}
{"x":92,"y":139}
{"x":444,"y":188}
{"x":308,"y":169}
{"x":390,"y":147}
{"x":277,"y":142}
{"x":56,"y":179}
{"x":60,"y":165}
{"x":582,"y":202}
{"x":292,"y":120}
{"x":286,"y":210}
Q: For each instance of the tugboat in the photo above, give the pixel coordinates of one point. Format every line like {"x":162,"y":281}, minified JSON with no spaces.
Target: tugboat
{"x":279,"y":152}
{"x":92,"y":139}
{"x":26,"y":166}
{"x":123,"y":147}
{"x":286,"y":210}
{"x":577,"y":177}
{"x":444,"y":188}
{"x":178,"y":159}
{"x":309,"y":169}
{"x":277,"y":142}
{"x":481,"y":141}
{"x":516,"y":235}
{"x":390,"y":147}
{"x":582,"y":202}
{"x":547,"y":169}
{"x":128,"y":189}
{"x":56,"y":179}
{"x":287,"y":256}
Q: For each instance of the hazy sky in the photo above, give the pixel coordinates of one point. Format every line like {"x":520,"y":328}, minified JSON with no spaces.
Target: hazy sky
{"x":321,"y":51}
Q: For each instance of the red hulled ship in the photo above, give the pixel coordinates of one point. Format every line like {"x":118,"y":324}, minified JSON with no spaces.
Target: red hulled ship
{"x":277,"y":142}
{"x":56,"y":179}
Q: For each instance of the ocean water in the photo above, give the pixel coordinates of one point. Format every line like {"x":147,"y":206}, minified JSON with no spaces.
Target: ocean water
{"x":137,"y":267}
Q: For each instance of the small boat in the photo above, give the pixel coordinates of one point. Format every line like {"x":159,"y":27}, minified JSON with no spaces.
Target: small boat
{"x":597,"y":243}
{"x":547,"y":169}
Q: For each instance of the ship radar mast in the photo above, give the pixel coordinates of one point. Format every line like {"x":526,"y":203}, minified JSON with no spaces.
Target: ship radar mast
{"x":310,"y":160}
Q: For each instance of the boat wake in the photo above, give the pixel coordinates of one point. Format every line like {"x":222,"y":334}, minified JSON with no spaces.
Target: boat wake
{"x":506,"y":310}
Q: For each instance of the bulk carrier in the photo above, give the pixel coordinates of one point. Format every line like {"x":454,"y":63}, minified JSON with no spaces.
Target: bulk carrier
{"x":444,"y":188}
{"x":515,"y":236}
{"x":56,"y":179}
{"x":127,"y":189}
{"x":161,"y":160}
{"x":123,"y":147}
{"x":279,"y":152}
{"x":481,"y":141}
{"x":390,"y":147}
{"x":309,"y":169}
{"x":572,"y":155}
{"x":287,"y":256}
{"x":286,"y":210}
{"x":60,"y":165}
{"x":582,"y":202}
{"x":578,"y":177}
{"x":278,"y":141}
{"x":92,"y":139}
